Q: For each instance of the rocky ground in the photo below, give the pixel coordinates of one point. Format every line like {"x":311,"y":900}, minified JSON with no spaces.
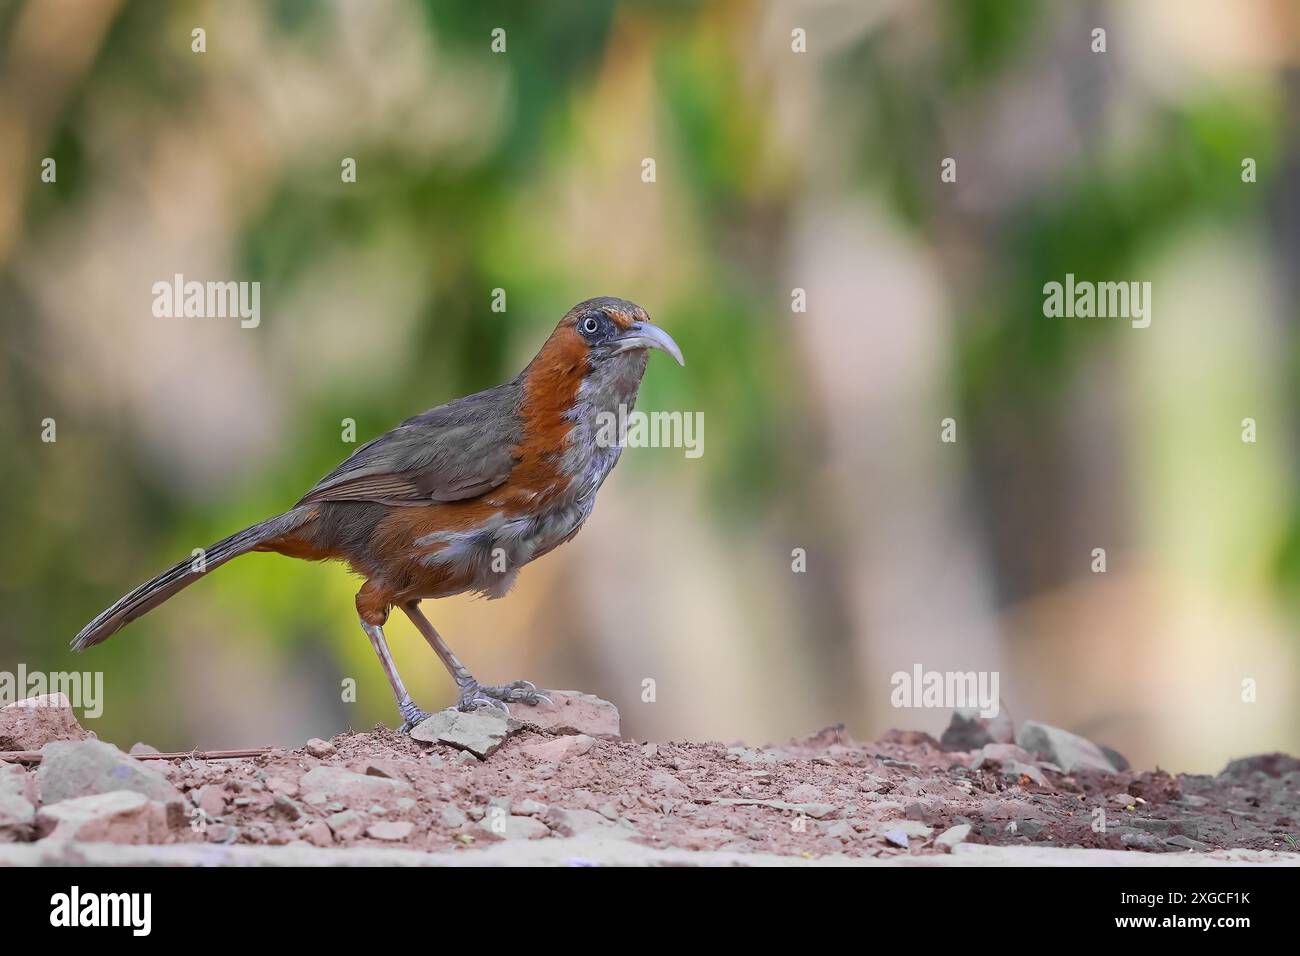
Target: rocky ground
{"x":556,"y":784}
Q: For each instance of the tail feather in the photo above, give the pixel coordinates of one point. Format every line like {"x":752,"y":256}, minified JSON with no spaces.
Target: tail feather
{"x":179,"y":576}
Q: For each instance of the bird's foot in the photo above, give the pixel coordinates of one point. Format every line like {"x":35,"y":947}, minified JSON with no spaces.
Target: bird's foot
{"x":412,"y":716}
{"x":475,"y":695}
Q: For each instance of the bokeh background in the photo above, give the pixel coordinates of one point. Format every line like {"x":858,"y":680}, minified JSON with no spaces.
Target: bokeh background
{"x":775,"y":170}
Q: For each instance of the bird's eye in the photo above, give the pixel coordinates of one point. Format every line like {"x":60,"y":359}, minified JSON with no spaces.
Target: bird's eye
{"x":590,"y":325}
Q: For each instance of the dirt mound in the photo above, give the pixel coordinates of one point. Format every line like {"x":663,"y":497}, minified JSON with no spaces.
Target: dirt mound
{"x":824,"y":794}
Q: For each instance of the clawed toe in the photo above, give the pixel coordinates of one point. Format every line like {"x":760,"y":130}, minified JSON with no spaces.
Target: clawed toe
{"x":412,"y":716}
{"x":476,"y":697}
{"x":520,"y":691}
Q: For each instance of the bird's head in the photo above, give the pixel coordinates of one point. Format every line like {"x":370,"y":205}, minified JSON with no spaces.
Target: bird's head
{"x":601,"y":347}
{"x":609,"y":328}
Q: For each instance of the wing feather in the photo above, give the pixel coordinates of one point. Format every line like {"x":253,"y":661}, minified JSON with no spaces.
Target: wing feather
{"x":451,"y":453}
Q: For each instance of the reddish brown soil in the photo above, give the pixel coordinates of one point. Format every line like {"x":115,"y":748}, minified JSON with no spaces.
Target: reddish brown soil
{"x":832,"y":796}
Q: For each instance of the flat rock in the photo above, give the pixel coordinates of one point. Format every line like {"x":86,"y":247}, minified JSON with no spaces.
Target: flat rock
{"x":338,"y":783}
{"x":558,"y":748}
{"x":568,"y":823}
{"x":393,"y":831}
{"x":512,"y":828}
{"x":119,"y":816}
{"x":32,"y":723}
{"x":82,"y":768}
{"x":572,"y":712}
{"x":950,"y":837}
{"x":481,"y":732}
{"x":896,"y":837}
{"x":1068,"y":751}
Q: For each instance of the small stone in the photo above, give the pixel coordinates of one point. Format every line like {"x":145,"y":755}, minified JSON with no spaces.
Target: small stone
{"x":406,"y":803}
{"x":896,"y":837}
{"x":86,"y":767}
{"x":452,"y":817}
{"x":871,"y":783}
{"x":1123,"y":799}
{"x":950,"y":837}
{"x":527,"y":808}
{"x":336,"y":782}
{"x":320,"y":748}
{"x":842,"y":831}
{"x":346,"y":824}
{"x":661,"y":781}
{"x":568,"y":822}
{"x":558,"y":749}
{"x":1137,"y":840}
{"x":119,"y":816}
{"x":287,"y":806}
{"x":32,"y":723}
{"x":317,"y":833}
{"x":140,"y":747}
{"x":480,"y":732}
{"x":1068,"y":751}
{"x":393,"y":831}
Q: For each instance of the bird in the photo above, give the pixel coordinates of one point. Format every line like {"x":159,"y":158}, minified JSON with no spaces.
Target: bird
{"x":456,"y":499}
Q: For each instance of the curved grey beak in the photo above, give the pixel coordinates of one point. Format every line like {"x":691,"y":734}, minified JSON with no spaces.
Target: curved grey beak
{"x":647,"y":335}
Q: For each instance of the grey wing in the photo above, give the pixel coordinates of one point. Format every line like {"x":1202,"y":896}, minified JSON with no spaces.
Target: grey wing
{"x":456,"y":451}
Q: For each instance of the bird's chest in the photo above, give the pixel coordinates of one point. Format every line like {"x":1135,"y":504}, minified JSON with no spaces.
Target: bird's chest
{"x":534,"y":519}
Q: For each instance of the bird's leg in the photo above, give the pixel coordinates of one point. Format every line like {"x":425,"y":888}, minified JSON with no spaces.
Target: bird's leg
{"x":411,"y":714}
{"x":472,"y":694}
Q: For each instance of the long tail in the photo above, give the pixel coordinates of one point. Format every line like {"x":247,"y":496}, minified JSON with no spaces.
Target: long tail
{"x":179,"y":576}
